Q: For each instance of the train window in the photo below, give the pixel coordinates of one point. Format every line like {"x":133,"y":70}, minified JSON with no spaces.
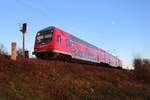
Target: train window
{"x":67,"y":43}
{"x":59,"y":38}
{"x":44,"y":37}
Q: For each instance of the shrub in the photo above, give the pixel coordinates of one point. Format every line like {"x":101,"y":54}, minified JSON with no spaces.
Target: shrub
{"x":142,"y":69}
{"x":3,"y":50}
{"x":19,"y":52}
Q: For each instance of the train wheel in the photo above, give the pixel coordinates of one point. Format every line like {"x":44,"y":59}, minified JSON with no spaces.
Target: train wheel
{"x":38,"y":56}
{"x":68,"y":58}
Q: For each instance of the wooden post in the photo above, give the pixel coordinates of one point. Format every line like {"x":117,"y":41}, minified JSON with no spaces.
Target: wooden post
{"x":13,"y":51}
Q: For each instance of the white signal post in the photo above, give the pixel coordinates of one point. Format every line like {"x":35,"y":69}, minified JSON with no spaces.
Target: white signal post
{"x":23,"y":43}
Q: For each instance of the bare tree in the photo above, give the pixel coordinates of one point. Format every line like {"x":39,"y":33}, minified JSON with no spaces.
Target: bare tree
{"x":3,"y":50}
{"x":146,"y":61}
{"x":142,"y":69}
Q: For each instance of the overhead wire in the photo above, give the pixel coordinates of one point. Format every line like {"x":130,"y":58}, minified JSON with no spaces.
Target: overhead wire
{"x":38,"y":11}
{"x":44,"y":6}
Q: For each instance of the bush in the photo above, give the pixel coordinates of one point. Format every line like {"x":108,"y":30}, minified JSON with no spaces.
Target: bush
{"x":3,"y":50}
{"x":142,"y":69}
{"x":19,"y":52}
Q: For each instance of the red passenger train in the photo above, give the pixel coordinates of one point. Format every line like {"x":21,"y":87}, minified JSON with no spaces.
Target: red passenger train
{"x":54,"y":43}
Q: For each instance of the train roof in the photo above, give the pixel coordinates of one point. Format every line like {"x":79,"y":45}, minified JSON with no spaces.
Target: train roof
{"x":47,"y":28}
{"x":76,"y":39}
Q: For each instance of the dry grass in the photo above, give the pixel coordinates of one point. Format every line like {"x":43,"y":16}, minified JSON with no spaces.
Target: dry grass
{"x":32,"y":79}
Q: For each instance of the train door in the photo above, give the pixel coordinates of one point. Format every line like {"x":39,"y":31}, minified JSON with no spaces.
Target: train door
{"x":105,"y":57}
{"x":97,"y":58}
{"x":59,"y":40}
{"x":100,"y":53}
{"x":74,"y":49}
{"x":67,"y":45}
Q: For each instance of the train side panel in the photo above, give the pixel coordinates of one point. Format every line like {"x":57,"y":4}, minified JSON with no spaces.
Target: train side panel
{"x":102,"y":56}
{"x":62,"y":42}
{"x":83,"y":52}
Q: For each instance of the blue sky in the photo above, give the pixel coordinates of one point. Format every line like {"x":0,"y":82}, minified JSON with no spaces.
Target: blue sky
{"x":118,"y":26}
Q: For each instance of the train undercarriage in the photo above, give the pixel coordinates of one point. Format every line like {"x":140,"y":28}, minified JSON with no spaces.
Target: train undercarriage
{"x":53,"y":56}
{"x":62,"y":57}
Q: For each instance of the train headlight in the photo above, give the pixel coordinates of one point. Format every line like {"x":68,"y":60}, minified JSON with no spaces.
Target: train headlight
{"x":36,"y":49}
{"x":38,"y":34}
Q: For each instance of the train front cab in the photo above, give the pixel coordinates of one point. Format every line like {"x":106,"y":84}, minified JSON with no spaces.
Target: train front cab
{"x":51,"y":43}
{"x":44,"y":43}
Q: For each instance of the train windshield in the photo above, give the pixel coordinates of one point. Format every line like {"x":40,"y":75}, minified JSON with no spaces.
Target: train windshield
{"x":44,"y":37}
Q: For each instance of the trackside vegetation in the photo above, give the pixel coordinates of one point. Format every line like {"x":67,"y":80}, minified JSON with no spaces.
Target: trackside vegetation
{"x":33,"y":79}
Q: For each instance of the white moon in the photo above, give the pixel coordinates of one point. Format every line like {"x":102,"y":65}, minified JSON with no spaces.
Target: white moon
{"x":113,"y":22}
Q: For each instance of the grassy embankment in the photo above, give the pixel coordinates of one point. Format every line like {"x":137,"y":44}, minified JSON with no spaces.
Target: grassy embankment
{"x":33,"y":79}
